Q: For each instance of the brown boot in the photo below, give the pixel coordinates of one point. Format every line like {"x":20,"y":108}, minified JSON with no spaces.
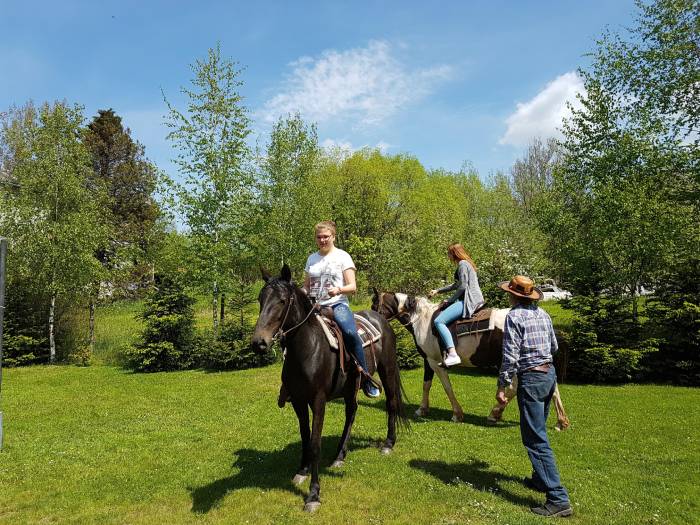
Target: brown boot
{"x":283,"y":396}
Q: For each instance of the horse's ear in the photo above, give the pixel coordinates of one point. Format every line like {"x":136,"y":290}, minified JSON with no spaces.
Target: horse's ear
{"x":376,"y":292}
{"x":265,"y":274}
{"x":286,"y":273}
{"x":410,"y":304}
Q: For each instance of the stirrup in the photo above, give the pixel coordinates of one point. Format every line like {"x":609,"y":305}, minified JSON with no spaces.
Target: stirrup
{"x":364,"y":376}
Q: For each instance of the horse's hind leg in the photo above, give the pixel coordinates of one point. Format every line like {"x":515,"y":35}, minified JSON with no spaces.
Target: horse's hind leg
{"x":313,"y":500}
{"x":302,"y":412}
{"x":562,"y":418}
{"x":350,"y":412}
{"x":428,"y":375}
{"x":392,"y":391}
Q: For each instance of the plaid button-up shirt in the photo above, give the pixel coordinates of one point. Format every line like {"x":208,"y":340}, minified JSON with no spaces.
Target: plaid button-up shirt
{"x":528,"y":340}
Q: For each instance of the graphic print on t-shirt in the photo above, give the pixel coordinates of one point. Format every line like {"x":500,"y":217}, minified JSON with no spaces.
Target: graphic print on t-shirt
{"x":321,"y":282}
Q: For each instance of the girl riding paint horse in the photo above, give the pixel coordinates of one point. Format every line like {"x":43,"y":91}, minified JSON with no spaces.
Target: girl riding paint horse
{"x":481,"y":349}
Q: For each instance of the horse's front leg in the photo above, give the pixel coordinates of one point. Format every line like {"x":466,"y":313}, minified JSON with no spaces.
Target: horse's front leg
{"x":302,"y":412}
{"x":562,"y":418}
{"x":313,"y":500}
{"x":498,"y":409}
{"x":350,"y":411}
{"x":457,"y":412}
{"x":428,"y":375}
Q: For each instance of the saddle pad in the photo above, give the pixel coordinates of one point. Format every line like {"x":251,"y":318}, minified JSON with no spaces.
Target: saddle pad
{"x":483,"y":321}
{"x":366,"y":330}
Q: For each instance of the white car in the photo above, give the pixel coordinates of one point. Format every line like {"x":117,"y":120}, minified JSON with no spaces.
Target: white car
{"x":552,"y":291}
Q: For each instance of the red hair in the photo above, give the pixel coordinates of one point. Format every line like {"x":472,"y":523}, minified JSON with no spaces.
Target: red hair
{"x":457,"y":253}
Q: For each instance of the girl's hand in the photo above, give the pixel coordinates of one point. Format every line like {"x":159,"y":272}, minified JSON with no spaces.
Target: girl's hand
{"x":333,"y":291}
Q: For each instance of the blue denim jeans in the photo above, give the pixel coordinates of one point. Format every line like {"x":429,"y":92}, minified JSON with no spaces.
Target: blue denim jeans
{"x":449,"y":314}
{"x":345,"y":319}
{"x":535,"y":390}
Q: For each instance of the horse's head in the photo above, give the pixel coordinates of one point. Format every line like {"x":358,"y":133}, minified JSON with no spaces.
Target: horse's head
{"x":392,"y":305}
{"x":276,"y":300}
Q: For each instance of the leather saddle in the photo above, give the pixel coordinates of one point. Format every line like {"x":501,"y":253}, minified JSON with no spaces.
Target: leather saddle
{"x":480,"y":321}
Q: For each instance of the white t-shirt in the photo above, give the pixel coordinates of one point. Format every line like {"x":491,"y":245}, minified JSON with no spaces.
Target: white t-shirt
{"x":326,"y":271}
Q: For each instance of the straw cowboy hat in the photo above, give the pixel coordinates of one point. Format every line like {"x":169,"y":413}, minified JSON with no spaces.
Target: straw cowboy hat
{"x":522,"y":286}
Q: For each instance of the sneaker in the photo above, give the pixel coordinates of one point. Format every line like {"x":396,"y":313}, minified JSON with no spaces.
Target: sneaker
{"x":554,"y":511}
{"x":451,"y":360}
{"x":533,"y":485}
{"x":370,"y":390}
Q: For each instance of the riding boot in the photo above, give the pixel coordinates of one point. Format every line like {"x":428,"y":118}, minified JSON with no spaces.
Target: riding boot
{"x":369,"y":386}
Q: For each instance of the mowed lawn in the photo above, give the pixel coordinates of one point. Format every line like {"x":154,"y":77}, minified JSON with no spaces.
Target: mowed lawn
{"x":101,"y":445}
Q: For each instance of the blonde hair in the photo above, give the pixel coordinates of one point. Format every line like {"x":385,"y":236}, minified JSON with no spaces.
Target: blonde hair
{"x":325,"y":225}
{"x":457,"y":252}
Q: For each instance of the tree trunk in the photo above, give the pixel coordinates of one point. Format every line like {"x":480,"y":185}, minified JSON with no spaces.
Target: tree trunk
{"x":214,"y":308}
{"x":92,"y":326}
{"x":223,"y":308}
{"x":52,"y":340}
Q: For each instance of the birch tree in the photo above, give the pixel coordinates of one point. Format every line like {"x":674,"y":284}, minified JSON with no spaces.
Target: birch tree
{"x":51,"y":215}
{"x":213,"y":157}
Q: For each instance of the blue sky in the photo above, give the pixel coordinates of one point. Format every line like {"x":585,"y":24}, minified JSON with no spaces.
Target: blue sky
{"x":447,"y":82}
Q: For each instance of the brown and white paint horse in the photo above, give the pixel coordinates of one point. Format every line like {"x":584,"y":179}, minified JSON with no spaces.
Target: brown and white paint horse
{"x":483,"y":349}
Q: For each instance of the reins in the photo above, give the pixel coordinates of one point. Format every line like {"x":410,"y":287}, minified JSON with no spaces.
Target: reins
{"x":396,"y":316}
{"x":283,"y":333}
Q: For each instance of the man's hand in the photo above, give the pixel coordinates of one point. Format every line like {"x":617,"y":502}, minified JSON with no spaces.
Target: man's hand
{"x":501,"y":396}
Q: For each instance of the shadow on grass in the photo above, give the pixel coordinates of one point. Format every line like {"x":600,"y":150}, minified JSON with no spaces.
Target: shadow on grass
{"x":270,"y":470}
{"x":439,"y":414}
{"x":477,"y":475}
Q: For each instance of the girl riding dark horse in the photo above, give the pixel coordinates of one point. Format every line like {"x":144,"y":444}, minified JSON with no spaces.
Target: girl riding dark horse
{"x":312,"y":371}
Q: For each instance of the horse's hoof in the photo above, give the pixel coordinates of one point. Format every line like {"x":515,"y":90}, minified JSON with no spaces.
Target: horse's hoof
{"x":457,"y":418}
{"x":299,"y":479}
{"x":386,"y":451}
{"x":312,"y":506}
{"x":492,"y":421}
{"x":421,"y":412}
{"x":338,"y":463}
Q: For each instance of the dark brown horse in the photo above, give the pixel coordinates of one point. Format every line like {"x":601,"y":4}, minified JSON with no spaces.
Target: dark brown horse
{"x":483,"y":349}
{"x":312,"y":373}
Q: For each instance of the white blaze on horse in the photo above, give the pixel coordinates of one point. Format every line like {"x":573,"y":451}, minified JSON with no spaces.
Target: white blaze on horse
{"x":476,"y":349}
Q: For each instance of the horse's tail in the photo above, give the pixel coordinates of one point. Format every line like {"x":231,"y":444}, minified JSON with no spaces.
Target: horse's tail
{"x":404,"y":422}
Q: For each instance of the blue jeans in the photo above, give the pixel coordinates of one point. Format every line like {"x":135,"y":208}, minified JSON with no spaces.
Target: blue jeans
{"x":535,"y":390}
{"x":345,"y":319}
{"x":449,"y":314}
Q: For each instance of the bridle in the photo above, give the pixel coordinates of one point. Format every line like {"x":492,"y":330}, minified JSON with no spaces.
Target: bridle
{"x":280,"y":333}
{"x":396,"y":316}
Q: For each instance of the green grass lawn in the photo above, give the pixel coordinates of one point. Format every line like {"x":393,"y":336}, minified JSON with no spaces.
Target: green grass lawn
{"x":100,"y":445}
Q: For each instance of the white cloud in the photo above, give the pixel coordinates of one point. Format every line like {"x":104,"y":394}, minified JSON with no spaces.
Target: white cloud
{"x":346,"y":148}
{"x":543,"y":115}
{"x":366,"y":85}
{"x":341,"y":146}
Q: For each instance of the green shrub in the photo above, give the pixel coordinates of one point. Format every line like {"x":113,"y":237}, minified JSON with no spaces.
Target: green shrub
{"x":406,"y":353}
{"x":20,"y":350}
{"x":674,"y":314}
{"x":603,"y":363}
{"x":608,"y":345}
{"x":230,"y":351}
{"x":166,"y":341}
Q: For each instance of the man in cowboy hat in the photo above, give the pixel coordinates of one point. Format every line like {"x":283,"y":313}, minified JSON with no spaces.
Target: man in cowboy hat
{"x":528,"y":345}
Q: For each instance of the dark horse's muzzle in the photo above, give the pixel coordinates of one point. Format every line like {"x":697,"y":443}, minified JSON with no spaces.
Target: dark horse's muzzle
{"x":261,"y":342}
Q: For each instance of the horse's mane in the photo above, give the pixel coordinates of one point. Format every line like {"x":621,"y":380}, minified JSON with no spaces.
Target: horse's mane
{"x":423,"y":303}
